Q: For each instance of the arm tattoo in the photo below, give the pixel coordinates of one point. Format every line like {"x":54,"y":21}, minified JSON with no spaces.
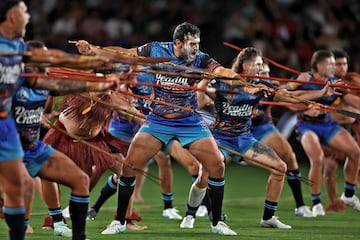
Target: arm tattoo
{"x":260,"y":148}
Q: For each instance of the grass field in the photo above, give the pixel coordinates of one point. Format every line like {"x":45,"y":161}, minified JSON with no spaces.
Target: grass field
{"x":243,"y":203}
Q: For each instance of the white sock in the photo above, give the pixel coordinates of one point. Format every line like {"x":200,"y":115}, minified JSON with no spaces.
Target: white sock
{"x":196,"y":195}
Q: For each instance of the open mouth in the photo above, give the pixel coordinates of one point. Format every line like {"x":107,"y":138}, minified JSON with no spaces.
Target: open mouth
{"x":192,"y":54}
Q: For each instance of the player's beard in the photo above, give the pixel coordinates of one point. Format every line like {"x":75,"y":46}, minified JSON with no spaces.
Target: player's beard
{"x":188,"y":55}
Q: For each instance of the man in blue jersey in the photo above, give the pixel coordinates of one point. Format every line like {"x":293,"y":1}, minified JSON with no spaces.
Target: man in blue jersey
{"x":125,"y":126}
{"x":264,"y":131}
{"x":350,"y":102}
{"x":167,"y":123}
{"x":13,"y":19}
{"x":44,"y":161}
{"x":316,"y":127}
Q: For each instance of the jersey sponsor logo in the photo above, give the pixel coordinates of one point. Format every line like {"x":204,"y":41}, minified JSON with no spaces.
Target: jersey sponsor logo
{"x":28,"y":116}
{"x":9,"y":73}
{"x":244,"y":110}
{"x":169,"y":80}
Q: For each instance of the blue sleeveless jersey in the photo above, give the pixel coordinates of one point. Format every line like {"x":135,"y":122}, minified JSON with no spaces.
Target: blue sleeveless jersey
{"x":28,"y":107}
{"x":234,"y":111}
{"x":10,"y":68}
{"x":173,"y":95}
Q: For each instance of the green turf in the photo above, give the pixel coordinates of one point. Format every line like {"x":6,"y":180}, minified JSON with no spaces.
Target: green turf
{"x":243,"y":203}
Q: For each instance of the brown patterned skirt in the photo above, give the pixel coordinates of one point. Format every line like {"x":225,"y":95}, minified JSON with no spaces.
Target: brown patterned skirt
{"x":83,"y":155}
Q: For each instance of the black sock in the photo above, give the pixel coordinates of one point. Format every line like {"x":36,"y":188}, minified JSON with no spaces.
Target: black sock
{"x":168,"y":199}
{"x":206,"y":201}
{"x":295,"y":186}
{"x":26,"y":224}
{"x":126,"y":188}
{"x":106,"y":192}
{"x":269,"y":209}
{"x":349,"y":189}
{"x":216,"y":194}
{"x":191,"y":210}
{"x":78,"y":209}
{"x":14,"y":218}
{"x":55,"y":214}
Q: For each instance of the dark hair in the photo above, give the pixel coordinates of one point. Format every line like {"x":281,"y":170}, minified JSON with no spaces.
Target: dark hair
{"x":5,"y":6}
{"x":340,"y":53}
{"x":247,"y":54}
{"x":318,"y":57}
{"x":184,"y":29}
{"x":35,"y":44}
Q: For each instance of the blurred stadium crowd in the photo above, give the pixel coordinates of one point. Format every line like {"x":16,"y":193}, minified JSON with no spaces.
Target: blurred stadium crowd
{"x":287,"y":31}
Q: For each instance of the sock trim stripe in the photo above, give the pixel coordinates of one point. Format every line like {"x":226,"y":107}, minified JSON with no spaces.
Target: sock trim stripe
{"x":350,"y":186}
{"x":55,"y":212}
{"x":216,"y":183}
{"x":13,"y":211}
{"x":121,"y":183}
{"x":316,"y":197}
{"x":271,"y":207}
{"x":78,"y":199}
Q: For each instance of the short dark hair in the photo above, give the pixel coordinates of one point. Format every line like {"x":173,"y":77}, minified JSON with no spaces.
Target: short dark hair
{"x":5,"y":6}
{"x":318,"y":57}
{"x":340,"y":53}
{"x":184,"y":29}
{"x":35,"y":44}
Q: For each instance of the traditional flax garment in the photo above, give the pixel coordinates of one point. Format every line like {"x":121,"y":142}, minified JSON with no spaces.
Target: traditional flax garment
{"x":87,"y":114}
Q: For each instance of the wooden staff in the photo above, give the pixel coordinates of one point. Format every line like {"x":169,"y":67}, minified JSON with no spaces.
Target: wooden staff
{"x":70,"y":71}
{"x":11,"y":54}
{"x":65,"y":77}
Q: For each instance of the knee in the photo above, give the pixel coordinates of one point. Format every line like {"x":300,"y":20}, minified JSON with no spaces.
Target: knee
{"x":281,"y":167}
{"x":83,"y":180}
{"x":29,"y":186}
{"x":355,"y":154}
{"x":194,"y":168}
{"x":317,"y":163}
{"x":330,"y":168}
{"x":219,"y":166}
